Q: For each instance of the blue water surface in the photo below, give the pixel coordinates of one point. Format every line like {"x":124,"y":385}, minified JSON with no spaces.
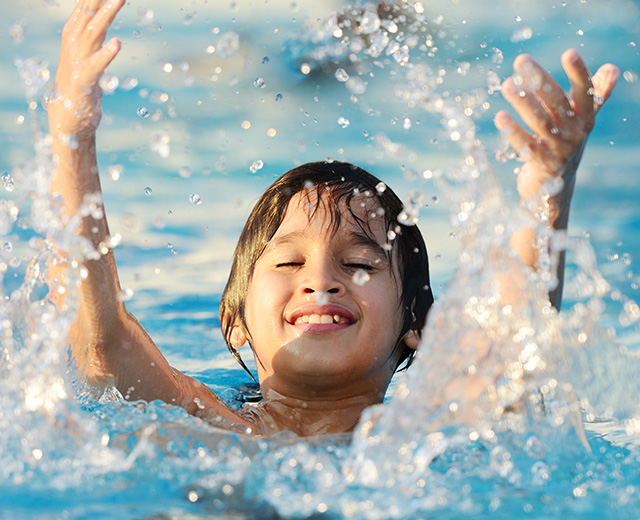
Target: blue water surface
{"x":104,"y":458}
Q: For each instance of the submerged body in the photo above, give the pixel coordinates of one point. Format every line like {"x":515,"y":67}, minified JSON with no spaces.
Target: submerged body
{"x":325,"y":344}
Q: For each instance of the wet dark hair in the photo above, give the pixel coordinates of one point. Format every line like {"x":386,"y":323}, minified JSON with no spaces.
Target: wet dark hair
{"x":340,"y":182}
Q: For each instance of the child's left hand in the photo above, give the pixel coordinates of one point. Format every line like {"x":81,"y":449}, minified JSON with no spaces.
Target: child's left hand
{"x":560,"y":123}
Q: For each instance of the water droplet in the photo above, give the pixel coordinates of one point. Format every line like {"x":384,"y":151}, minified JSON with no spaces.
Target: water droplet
{"x":534,"y":447}
{"x":381,"y":187}
{"x":128,"y":83}
{"x":391,"y":235}
{"x":16,"y":31}
{"x":143,"y":112}
{"x":278,"y":97}
{"x":497,"y":56}
{"x":8,"y":247}
{"x":360,"y":277}
{"x":321,"y":297}
{"x":521,"y":34}
{"x":114,"y":171}
{"x":493,"y":82}
{"x":226,"y":45}
{"x":148,"y":190}
{"x":185,"y":172}
{"x":406,"y":123}
{"x":540,"y":472}
{"x":7,"y":182}
{"x":343,"y":122}
{"x":256,"y":165}
{"x":356,"y":86}
{"x":189,"y":18}
{"x":161,"y":144}
{"x":463,"y":68}
{"x":410,"y":213}
{"x":630,"y":76}
{"x":305,"y":68}
{"x":259,"y":83}
{"x":265,"y":59}
{"x":627,"y":258}
{"x":108,"y":83}
{"x":195,"y":199}
{"x":158,"y":98}
{"x":125,"y":295}
{"x":341,"y":75}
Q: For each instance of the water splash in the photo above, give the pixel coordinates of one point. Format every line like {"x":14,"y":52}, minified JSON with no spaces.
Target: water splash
{"x":42,"y":426}
{"x":497,"y":367}
{"x":473,"y":427}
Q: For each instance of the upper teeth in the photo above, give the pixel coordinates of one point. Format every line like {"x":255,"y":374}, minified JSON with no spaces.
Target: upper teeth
{"x":319,"y":318}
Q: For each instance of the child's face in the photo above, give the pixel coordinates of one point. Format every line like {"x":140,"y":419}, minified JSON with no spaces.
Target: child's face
{"x":316,"y":328}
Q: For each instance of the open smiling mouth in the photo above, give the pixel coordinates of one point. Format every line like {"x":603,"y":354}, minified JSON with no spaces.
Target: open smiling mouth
{"x":322,"y":319}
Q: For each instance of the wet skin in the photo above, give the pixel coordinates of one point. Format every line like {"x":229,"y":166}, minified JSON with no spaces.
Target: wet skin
{"x":322,"y":338}
{"x":316,"y":377}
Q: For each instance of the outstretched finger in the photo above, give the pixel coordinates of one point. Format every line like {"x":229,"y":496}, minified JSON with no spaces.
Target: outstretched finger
{"x":603,"y":82}
{"x":581,"y":87}
{"x":83,"y":13}
{"x":97,"y":64}
{"x":529,"y":179}
{"x":535,"y":115}
{"x":538,"y":81}
{"x":103,"y":19}
{"x":519,"y":139}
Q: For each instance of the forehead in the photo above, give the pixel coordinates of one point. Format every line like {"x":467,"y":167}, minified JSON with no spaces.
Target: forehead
{"x":319,"y":211}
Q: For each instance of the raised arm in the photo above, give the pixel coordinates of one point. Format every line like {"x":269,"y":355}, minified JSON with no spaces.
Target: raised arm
{"x":560,"y":125}
{"x":108,"y":343}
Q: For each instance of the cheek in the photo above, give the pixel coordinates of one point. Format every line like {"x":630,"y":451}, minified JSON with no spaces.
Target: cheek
{"x":383,"y":301}
{"x":264,"y":296}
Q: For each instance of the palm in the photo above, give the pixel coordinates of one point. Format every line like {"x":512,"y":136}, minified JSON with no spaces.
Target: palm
{"x":75,"y":106}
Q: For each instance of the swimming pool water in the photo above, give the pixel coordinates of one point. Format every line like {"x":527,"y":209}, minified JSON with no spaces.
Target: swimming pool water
{"x":78,"y":456}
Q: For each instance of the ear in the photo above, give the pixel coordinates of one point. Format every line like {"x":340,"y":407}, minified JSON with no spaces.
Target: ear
{"x":411,"y":339}
{"x":238,"y":337}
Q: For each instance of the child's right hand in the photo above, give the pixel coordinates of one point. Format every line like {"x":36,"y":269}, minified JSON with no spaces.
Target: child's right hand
{"x":75,"y":104}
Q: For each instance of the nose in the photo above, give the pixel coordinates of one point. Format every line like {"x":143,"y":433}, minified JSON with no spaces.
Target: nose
{"x":320,"y":276}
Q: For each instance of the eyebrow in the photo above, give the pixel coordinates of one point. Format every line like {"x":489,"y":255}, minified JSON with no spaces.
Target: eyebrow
{"x":362,"y":239}
{"x":353,"y":239}
{"x":286,"y":239}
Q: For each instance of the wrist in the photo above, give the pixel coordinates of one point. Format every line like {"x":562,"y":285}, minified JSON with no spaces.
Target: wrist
{"x":560,"y":204}
{"x":63,"y":142}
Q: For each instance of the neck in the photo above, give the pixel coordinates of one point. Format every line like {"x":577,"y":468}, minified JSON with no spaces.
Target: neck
{"x":307,"y":417}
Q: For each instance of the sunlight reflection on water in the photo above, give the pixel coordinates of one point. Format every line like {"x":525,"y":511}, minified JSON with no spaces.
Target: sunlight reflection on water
{"x":206,"y":126}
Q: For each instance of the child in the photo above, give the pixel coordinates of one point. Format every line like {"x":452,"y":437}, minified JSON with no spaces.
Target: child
{"x":329,"y":303}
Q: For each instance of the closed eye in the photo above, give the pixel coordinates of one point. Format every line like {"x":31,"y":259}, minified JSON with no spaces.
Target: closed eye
{"x":289,"y":264}
{"x":356,"y":265}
